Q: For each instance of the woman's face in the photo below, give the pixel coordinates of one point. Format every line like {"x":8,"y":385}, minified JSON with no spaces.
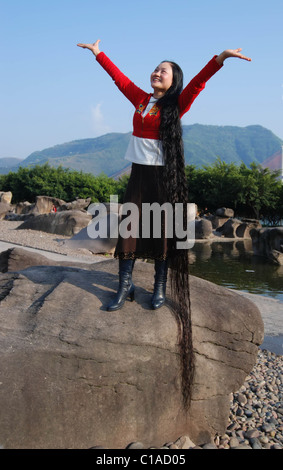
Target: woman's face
{"x":162,"y":78}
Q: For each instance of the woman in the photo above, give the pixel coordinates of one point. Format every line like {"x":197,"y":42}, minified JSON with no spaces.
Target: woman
{"x":158,"y":175}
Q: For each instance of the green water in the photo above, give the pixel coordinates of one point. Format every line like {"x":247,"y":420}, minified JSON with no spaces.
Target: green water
{"x":232,"y":264}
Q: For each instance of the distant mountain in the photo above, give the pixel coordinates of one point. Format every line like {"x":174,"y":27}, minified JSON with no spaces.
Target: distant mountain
{"x":9,"y":164}
{"x":203,"y":145}
{"x":103,"y":154}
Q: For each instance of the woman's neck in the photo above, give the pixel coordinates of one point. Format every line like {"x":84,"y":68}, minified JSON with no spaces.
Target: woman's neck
{"x":158,"y":94}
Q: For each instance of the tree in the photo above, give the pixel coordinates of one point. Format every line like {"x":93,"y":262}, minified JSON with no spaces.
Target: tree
{"x":214,"y":186}
{"x":251,"y":192}
{"x":260,"y":189}
{"x":63,"y":183}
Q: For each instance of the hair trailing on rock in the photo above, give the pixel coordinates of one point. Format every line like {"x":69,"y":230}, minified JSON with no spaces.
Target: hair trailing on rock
{"x":176,"y":189}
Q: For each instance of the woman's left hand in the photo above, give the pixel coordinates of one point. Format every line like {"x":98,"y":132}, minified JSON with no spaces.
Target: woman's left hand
{"x":231,"y":53}
{"x":92,"y":47}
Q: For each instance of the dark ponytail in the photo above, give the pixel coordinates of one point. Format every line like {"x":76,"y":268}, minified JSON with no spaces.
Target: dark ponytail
{"x":176,"y":189}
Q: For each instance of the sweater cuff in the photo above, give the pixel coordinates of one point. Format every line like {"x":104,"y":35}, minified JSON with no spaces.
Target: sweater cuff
{"x":101,"y":54}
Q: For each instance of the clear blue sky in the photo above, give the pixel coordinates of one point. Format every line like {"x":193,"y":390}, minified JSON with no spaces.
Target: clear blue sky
{"x":52,"y":92}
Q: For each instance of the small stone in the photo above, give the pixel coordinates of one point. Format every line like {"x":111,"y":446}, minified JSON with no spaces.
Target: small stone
{"x":267,"y":428}
{"x":242,"y":399}
{"x":254,"y":442}
{"x":276,"y":446}
{"x":136,"y":445}
{"x":209,"y":445}
{"x":224,"y":441}
{"x":232,"y":426}
{"x":241,"y":434}
{"x":242,"y":446}
{"x":251,"y":433}
{"x":184,"y":442}
{"x":263,"y":439}
{"x":233,"y":442}
{"x":217,"y":441}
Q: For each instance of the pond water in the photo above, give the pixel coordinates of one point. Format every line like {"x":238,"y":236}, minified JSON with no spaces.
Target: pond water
{"x":232,"y":264}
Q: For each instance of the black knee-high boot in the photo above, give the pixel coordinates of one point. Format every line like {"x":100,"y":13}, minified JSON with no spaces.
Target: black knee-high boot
{"x":126,"y":286}
{"x":158,"y":298}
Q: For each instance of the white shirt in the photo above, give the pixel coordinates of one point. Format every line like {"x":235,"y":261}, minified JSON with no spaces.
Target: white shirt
{"x":145,"y":151}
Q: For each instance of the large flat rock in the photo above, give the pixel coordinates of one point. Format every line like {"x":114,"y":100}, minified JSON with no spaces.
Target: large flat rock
{"x":74,"y":375}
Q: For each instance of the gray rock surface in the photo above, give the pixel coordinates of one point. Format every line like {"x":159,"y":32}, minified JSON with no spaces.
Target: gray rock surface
{"x":268,"y":242}
{"x":203,"y":229}
{"x":74,"y":375}
{"x":238,"y":228}
{"x":17,"y":259}
{"x":224,"y":212}
{"x":66,"y":223}
{"x":6,"y":196}
{"x":4,"y":209}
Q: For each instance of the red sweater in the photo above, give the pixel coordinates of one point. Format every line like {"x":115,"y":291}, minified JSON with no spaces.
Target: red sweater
{"x":148,"y":126}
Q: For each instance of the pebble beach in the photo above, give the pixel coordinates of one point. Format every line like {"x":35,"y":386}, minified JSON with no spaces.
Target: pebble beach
{"x":256,"y":411}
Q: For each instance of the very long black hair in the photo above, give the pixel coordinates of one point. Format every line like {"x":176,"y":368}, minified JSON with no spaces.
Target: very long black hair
{"x":176,"y":190}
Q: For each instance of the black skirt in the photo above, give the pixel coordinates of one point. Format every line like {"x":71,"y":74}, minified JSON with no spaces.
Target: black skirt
{"x":143,"y":239}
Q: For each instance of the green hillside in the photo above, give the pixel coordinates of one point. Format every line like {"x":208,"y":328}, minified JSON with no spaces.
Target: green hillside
{"x":203,"y":145}
{"x":103,"y":154}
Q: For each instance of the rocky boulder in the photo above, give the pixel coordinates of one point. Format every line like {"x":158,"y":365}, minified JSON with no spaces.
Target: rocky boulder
{"x":224,"y":212}
{"x":268,"y":242}
{"x":203,"y":228}
{"x":42,"y":205}
{"x":5,"y":209}
{"x":238,"y":228}
{"x":77,"y":205}
{"x":66,"y":223}
{"x":221,"y":216}
{"x":24,"y":207}
{"x":45,"y":205}
{"x":76,"y":376}
{"x":96,"y":236}
{"x":17,"y":259}
{"x":6,"y":197}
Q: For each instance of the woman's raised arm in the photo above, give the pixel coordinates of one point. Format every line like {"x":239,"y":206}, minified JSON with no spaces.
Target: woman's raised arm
{"x":125,"y":85}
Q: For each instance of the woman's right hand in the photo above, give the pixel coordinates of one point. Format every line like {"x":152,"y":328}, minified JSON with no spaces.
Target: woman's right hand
{"x":92,"y":47}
